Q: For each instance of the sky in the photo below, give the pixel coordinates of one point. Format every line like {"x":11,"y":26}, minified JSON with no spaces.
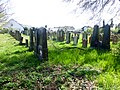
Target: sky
{"x":52,"y":13}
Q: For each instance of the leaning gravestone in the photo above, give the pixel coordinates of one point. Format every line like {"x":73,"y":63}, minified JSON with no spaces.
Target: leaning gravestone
{"x":67,"y":37}
{"x":40,"y":47}
{"x":106,"y":37}
{"x":95,"y":38}
{"x":84,"y":40}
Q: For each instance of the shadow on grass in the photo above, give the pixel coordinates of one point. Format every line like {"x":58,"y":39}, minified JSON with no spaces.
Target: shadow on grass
{"x":19,"y":60}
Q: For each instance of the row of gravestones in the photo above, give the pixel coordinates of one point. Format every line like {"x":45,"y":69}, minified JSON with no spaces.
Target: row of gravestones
{"x":17,"y":35}
{"x":70,"y":36}
{"x":60,"y":36}
{"x":96,"y":40}
{"x":38,"y":39}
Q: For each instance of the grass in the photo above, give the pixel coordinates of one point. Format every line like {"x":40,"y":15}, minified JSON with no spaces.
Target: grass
{"x":68,"y":67}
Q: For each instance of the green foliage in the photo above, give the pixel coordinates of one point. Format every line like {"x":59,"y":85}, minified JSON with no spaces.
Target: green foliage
{"x":68,"y":67}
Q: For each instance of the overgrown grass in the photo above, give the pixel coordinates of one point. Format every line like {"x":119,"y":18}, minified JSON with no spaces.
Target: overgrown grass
{"x":68,"y":67}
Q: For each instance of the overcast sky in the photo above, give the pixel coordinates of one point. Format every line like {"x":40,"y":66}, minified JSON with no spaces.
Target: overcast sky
{"x":47,"y":12}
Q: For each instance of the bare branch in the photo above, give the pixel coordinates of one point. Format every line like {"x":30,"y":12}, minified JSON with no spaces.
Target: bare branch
{"x":97,"y":7}
{"x":3,"y":11}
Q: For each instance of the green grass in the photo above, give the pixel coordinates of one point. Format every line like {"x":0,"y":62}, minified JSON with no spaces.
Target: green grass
{"x":68,"y":67}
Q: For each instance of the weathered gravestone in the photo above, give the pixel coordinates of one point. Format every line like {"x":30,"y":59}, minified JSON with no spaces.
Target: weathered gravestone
{"x":40,"y":44}
{"x":60,"y":35}
{"x":106,"y":37}
{"x":94,"y":38}
{"x":31,"y":47}
{"x":84,"y":39}
{"x":75,"y":39}
{"x":67,"y":37}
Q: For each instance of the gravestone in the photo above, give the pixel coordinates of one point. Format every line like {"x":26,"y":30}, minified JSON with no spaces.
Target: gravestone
{"x":72,"y":38}
{"x":67,"y":37}
{"x":40,"y":47}
{"x":106,"y":37}
{"x":114,"y":39}
{"x":78,"y":35}
{"x":75,"y":39}
{"x":95,"y":38}
{"x":21,"y":40}
{"x":60,"y":35}
{"x":17,"y":35}
{"x":31,"y":47}
{"x":84,"y":39}
{"x":54,"y":36}
{"x":26,"y":42}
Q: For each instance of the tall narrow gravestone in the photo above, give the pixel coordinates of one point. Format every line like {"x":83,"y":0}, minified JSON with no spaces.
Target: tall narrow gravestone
{"x":61,"y":35}
{"x":67,"y":37}
{"x":84,"y":39}
{"x":58,"y":35}
{"x":40,"y":47}
{"x":75,"y":39}
{"x":95,"y":37}
{"x":106,"y":37}
{"x":31,"y":39}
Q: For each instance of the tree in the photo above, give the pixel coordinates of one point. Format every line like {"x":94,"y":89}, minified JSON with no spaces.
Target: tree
{"x":97,"y":7}
{"x":4,"y":11}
